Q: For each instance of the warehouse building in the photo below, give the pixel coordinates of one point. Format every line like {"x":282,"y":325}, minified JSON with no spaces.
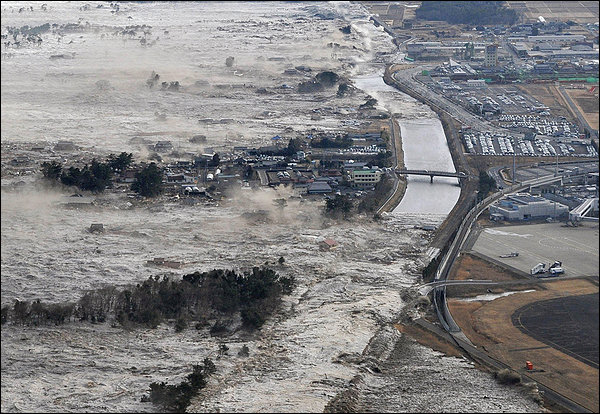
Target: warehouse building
{"x":524,"y":206}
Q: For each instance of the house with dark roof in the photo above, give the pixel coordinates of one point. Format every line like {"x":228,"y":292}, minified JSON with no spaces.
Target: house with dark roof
{"x":319,"y":187}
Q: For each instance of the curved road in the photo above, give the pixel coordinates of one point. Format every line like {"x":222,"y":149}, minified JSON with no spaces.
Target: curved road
{"x":439,"y":295}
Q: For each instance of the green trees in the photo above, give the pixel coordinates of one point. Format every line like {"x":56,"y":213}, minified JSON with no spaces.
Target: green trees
{"x":373,"y":202}
{"x":51,"y":170}
{"x":148,"y":182}
{"x":176,"y":398}
{"x":217,"y":294}
{"x":95,"y":177}
{"x":294,"y":145}
{"x":486,"y":184}
{"x":216,"y":160}
{"x":121,"y":162}
{"x":337,"y":142}
{"x":340,"y":206}
{"x":383,"y":159}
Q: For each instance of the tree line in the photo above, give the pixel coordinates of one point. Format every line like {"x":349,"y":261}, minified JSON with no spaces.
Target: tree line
{"x":97,"y":176}
{"x":200,"y":296}
{"x":486,"y":185}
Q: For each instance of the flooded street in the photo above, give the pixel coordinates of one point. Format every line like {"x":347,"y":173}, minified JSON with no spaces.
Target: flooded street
{"x":86,"y":83}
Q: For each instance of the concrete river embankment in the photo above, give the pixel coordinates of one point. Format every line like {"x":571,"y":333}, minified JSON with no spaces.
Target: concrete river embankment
{"x":425,"y":148}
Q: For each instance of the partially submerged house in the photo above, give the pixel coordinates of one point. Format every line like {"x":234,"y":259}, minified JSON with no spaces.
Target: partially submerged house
{"x":328,"y":244}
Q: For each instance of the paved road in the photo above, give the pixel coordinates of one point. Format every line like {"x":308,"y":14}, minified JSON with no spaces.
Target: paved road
{"x":391,"y":202}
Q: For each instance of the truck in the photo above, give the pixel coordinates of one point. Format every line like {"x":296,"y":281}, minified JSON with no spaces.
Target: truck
{"x":555,"y":268}
{"x":538,"y":268}
{"x":511,"y":254}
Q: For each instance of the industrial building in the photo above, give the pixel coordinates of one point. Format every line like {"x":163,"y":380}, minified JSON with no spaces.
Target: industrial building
{"x":523,"y":206}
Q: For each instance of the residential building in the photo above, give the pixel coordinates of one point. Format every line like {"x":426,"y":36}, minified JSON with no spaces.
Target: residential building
{"x":319,"y":187}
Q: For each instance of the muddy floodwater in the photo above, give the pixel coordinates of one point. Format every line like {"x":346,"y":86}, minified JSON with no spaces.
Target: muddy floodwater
{"x":425,"y":148}
{"x":86,"y":82}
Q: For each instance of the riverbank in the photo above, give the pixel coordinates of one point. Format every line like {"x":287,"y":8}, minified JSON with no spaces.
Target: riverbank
{"x":401,"y":182}
{"x":483,"y":330}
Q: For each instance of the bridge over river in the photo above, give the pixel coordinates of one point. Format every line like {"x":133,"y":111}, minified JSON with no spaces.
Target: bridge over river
{"x":460,"y":175}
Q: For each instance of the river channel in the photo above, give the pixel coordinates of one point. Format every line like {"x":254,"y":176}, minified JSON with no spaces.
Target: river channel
{"x":425,"y":148}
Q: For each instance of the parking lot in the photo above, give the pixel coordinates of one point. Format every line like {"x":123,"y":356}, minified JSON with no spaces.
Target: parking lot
{"x":576,"y":248}
{"x":540,"y":124}
{"x":486,"y":143}
{"x":508,"y":100}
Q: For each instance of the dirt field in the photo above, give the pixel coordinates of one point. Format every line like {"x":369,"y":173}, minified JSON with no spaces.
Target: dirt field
{"x":468,"y":266}
{"x":577,"y":11}
{"x":587,"y":104}
{"x":549,"y":96}
{"x":489,"y":326}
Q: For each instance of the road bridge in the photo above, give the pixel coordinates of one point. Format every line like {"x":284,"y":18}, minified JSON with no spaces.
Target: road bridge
{"x":460,"y":175}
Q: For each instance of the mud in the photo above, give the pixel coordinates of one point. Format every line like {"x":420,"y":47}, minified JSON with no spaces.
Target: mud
{"x":325,"y":334}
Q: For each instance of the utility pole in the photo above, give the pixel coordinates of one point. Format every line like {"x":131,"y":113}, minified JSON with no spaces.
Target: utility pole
{"x":554,"y":199}
{"x":514,"y":158}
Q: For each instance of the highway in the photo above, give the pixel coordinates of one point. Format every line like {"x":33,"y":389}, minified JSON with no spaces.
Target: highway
{"x":439,"y":292}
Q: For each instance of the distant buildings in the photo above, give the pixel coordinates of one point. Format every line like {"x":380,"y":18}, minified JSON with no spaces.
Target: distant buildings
{"x":566,"y":38}
{"x":64,"y":146}
{"x":163,"y":146}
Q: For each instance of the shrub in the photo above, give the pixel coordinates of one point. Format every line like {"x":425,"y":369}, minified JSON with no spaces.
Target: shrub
{"x":180,"y":325}
{"x":506,"y":376}
{"x":176,"y":398}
